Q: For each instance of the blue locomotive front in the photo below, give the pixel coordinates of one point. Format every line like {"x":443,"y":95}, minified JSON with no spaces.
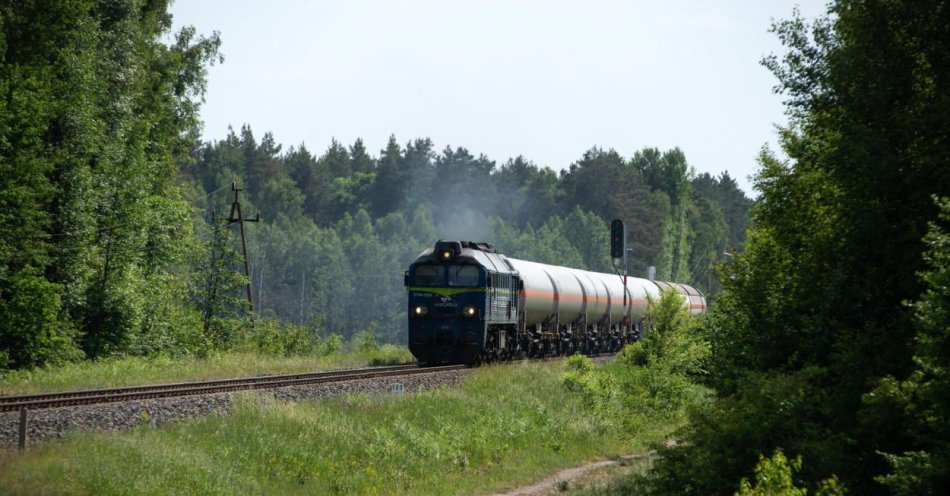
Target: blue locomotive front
{"x":461,"y":296}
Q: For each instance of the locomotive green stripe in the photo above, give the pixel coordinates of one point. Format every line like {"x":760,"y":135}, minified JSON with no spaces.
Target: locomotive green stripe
{"x":447,"y":291}
{"x":455,"y":291}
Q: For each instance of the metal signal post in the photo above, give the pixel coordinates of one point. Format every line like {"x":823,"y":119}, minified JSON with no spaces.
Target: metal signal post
{"x":618,"y":250}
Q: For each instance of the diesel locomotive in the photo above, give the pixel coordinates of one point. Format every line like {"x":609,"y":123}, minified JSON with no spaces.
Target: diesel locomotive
{"x":468,"y":304}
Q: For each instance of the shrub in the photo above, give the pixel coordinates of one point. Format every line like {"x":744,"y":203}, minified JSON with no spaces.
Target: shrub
{"x":593,"y":386}
{"x":770,"y":410}
{"x":775,"y":477}
{"x":672,"y":342}
{"x":365,"y":340}
{"x":273,"y":337}
{"x":333,"y":344}
{"x":31,"y":332}
{"x":651,"y":381}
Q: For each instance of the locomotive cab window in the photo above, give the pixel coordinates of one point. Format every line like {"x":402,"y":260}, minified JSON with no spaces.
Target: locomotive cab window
{"x":463,"y":275}
{"x":430,"y":275}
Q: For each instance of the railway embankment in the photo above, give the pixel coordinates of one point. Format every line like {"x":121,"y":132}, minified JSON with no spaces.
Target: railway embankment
{"x":494,"y":428}
{"x":52,"y":423}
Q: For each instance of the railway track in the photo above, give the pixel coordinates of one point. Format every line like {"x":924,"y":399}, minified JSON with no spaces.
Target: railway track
{"x":91,"y":396}
{"x":129,"y":393}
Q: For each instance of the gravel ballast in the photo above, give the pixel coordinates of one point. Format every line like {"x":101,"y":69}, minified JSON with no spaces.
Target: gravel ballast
{"x":55,"y":422}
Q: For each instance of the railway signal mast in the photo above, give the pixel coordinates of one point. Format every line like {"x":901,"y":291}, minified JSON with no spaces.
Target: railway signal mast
{"x":618,"y":251}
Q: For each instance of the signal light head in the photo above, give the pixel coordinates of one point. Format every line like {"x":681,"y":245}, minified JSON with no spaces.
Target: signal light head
{"x":617,"y":240}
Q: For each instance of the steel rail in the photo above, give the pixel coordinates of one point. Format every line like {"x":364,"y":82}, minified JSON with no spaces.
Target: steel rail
{"x":86,"y":397}
{"x":169,"y":390}
{"x":179,"y":385}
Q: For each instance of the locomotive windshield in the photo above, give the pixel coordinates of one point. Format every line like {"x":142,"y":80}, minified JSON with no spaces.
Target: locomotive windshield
{"x":430,"y":275}
{"x":463,"y":275}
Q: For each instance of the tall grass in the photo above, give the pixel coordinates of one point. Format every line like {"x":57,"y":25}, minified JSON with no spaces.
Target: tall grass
{"x":127,"y":371}
{"x":623,"y":480}
{"x":503,"y":427}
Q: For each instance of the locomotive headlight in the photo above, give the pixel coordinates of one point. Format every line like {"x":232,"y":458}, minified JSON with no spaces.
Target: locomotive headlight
{"x":420,"y":310}
{"x":469,"y":311}
{"x":446,"y":255}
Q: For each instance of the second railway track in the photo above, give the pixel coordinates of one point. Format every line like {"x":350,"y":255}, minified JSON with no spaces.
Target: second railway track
{"x":91,"y":396}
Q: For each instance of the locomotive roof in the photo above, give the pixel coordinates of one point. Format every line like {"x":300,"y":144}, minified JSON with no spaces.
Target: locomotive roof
{"x":482,"y":254}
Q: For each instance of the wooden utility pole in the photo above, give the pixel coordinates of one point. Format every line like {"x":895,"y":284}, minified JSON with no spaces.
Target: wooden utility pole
{"x":235,"y":217}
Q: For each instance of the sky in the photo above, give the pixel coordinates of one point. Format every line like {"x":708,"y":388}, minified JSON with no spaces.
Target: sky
{"x":546,"y":79}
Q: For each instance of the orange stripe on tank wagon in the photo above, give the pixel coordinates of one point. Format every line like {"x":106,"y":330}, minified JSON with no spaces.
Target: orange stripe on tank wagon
{"x":549,"y":295}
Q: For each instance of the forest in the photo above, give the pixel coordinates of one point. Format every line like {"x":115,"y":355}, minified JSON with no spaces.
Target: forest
{"x":114,"y":238}
{"x":341,"y":228}
{"x":830,"y":342}
{"x":829,"y":333}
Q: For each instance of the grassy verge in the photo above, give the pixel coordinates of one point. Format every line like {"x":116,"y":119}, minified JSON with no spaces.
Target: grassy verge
{"x":623,"y":479}
{"x":505,"y":426}
{"x":138,"y":370}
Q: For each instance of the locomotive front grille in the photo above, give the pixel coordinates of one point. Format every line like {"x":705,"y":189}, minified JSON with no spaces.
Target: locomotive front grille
{"x":444,"y":338}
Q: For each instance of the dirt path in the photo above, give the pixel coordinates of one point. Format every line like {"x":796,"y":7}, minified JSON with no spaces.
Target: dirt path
{"x":569,"y":475}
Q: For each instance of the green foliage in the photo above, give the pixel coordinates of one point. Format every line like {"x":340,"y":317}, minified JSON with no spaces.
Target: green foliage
{"x":652,"y":379}
{"x":269,"y":337}
{"x":217,"y":288}
{"x":547,"y":244}
{"x":333,"y":344}
{"x":30,"y":331}
{"x":775,"y":477}
{"x":365,"y":340}
{"x":278,"y":338}
{"x":163,"y":368}
{"x":167,"y":326}
{"x":780,"y":287}
{"x":500,"y":429}
{"x":99,"y":147}
{"x":913,"y":473}
{"x":365,"y":219}
{"x":920,"y":405}
{"x":669,"y":175}
{"x":581,"y":377}
{"x":717,"y":219}
{"x":388,"y":354}
{"x":672,"y":341}
{"x":812,"y":320}
{"x":724,"y":438}
{"x":591,"y":237}
{"x":623,"y":480}
{"x":97,"y":110}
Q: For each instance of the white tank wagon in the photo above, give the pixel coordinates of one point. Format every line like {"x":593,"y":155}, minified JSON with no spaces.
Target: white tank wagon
{"x":579,"y":300}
